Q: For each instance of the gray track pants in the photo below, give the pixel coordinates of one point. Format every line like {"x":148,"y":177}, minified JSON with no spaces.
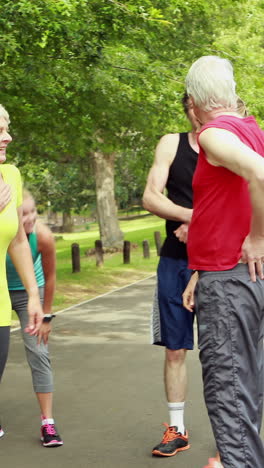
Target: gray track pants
{"x":37,"y":355}
{"x":230,"y":313}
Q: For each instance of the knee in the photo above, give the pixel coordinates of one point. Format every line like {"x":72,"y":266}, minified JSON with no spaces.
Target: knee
{"x":36,"y":353}
{"x":175,"y":355}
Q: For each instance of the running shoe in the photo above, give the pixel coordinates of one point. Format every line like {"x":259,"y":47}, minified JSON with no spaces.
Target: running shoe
{"x":172,"y":442}
{"x":1,"y":431}
{"x":50,"y":436}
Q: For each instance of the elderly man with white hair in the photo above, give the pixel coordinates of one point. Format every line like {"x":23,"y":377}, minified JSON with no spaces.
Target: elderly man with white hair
{"x":226,"y":248}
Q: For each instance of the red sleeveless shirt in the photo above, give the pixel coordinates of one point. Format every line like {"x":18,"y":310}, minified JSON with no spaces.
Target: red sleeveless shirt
{"x":222,"y":208}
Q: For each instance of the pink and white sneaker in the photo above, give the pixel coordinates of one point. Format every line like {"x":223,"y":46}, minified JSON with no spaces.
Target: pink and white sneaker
{"x":50,"y":436}
{"x":1,"y":431}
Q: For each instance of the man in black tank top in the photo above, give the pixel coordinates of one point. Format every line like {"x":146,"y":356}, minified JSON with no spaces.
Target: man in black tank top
{"x":173,"y":168}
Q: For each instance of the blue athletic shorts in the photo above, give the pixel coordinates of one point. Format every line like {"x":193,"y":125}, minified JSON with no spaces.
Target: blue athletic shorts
{"x":173,"y":327}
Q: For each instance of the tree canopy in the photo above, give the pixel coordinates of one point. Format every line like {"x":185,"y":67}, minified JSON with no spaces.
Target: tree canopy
{"x":80,"y":76}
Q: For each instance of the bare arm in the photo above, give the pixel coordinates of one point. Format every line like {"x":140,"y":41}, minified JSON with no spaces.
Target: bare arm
{"x":154,"y":199}
{"x":225,"y":149}
{"x":20,"y":254}
{"x":46,"y":246}
{"x":188,"y":295}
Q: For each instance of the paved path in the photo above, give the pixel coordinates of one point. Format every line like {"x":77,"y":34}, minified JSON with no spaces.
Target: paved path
{"x":109,"y":400}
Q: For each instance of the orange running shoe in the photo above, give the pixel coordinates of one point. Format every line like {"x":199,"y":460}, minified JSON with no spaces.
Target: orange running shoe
{"x":172,"y":442}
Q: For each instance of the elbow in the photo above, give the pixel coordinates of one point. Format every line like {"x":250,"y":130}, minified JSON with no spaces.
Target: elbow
{"x":256,"y":180}
{"x":146,"y":202}
{"x":260,"y":178}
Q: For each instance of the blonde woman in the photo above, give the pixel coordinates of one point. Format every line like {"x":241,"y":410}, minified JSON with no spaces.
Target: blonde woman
{"x":13,"y":239}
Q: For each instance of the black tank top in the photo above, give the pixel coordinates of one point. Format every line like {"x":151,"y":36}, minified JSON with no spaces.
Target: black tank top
{"x":179,"y":187}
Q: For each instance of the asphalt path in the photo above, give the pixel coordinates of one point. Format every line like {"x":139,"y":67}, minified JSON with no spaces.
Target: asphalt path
{"x":109,"y":401}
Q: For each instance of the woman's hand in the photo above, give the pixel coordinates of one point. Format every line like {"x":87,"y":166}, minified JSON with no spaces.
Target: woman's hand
{"x":188,"y":295}
{"x":35,"y":316}
{"x":44,"y":331}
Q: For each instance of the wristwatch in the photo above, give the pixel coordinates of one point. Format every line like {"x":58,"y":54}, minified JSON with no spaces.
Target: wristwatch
{"x":48,"y":317}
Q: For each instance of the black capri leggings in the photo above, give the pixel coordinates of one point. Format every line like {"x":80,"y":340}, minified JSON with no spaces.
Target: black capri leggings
{"x":4,"y":345}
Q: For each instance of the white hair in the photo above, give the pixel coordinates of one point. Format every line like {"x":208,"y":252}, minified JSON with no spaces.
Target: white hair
{"x":210,"y":82}
{"x":4,"y":113}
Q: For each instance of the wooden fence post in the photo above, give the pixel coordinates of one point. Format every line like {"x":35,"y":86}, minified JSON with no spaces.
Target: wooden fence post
{"x":157,"y":238}
{"x":76,"y":264}
{"x":126,"y":252}
{"x":99,"y":255}
{"x":145,"y":244}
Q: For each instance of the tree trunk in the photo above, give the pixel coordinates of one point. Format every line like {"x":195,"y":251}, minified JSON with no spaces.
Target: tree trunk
{"x":110,"y":233}
{"x":66,"y":222}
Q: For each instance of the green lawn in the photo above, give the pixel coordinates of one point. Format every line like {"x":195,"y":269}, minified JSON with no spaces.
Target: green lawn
{"x":92,"y":281}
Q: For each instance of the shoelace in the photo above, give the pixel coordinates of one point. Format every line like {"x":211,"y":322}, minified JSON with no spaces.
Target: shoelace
{"x":170,"y":434}
{"x":50,"y":429}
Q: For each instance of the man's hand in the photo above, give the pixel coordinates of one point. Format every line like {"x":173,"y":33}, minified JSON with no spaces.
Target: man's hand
{"x":253,"y":255}
{"x":182,"y":232}
{"x":188,"y":295}
{"x":35,"y":317}
{"x":5,"y":194}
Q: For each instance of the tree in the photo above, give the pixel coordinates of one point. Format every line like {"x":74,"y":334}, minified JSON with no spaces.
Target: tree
{"x":103,"y":77}
{"x":50,"y":187}
{"x":106,"y":206}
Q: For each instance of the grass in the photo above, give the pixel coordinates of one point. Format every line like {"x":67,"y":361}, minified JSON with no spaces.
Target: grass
{"x":92,"y":281}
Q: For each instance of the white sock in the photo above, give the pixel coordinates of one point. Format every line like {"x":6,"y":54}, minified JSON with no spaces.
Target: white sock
{"x":176,"y":412}
{"x":47,"y":421}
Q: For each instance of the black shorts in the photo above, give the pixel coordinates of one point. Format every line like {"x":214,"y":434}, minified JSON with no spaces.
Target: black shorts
{"x":172,"y":324}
